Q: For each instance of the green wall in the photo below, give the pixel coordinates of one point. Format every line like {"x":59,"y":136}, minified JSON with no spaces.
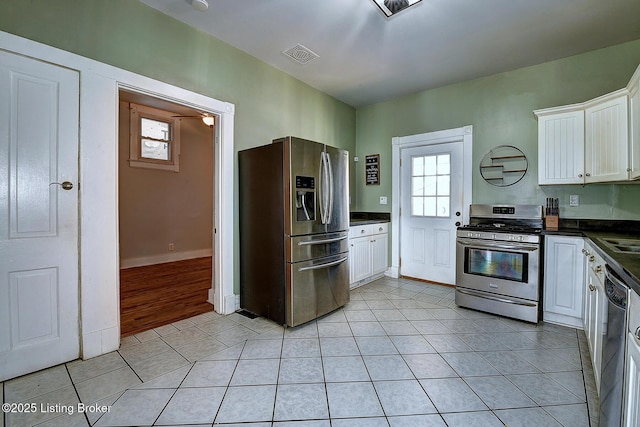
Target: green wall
{"x":130,"y":35}
{"x":500,"y":108}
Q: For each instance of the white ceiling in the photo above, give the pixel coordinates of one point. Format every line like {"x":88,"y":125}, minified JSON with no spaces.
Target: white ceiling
{"x":365,"y":57}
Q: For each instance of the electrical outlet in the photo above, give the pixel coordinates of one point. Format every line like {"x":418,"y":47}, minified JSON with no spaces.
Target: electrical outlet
{"x":574,"y":200}
{"x":355,"y":159}
{"x":171,"y":247}
{"x":383,"y":200}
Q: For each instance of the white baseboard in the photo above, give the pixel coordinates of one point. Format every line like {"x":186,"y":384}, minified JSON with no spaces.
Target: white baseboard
{"x":393,"y":272}
{"x":162,"y":258}
{"x":562,"y":320}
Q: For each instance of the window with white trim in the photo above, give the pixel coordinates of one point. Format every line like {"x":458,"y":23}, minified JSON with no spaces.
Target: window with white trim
{"x":431,"y":185}
{"x":154,"y":138}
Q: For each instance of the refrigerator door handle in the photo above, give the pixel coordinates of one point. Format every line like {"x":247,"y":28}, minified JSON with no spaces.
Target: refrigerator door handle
{"x":324,"y":190}
{"x":321,"y":189}
{"x":329,"y":264}
{"x":319,"y":242}
{"x":329,"y":188}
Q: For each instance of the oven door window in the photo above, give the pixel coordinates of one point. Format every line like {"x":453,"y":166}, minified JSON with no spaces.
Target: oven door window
{"x":496,"y":263}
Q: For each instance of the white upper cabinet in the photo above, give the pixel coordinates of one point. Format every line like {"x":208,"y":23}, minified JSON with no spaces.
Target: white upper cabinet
{"x":607,"y":138}
{"x":634,"y":125}
{"x":594,"y":141}
{"x":561,"y":147}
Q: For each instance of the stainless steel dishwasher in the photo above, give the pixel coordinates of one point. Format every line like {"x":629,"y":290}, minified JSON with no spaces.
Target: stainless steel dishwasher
{"x":613,"y":350}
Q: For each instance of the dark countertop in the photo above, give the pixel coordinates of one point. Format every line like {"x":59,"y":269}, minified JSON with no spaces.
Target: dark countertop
{"x":362,"y":218}
{"x":357,"y":222}
{"x":626,"y":265}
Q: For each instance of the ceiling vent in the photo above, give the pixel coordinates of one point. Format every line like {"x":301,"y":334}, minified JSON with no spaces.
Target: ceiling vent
{"x":301,"y":54}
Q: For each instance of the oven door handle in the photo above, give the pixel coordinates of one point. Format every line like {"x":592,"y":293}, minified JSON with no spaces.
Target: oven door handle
{"x":483,"y":295}
{"x":492,"y":245}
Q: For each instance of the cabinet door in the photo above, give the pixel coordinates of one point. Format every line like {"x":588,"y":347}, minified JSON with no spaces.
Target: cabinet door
{"x":606,"y":143}
{"x":563,"y":280}
{"x":379,"y":253}
{"x":632,"y":411}
{"x":634,"y":128}
{"x":632,"y":380}
{"x":597,"y":315}
{"x":561,"y":148}
{"x":359,"y":259}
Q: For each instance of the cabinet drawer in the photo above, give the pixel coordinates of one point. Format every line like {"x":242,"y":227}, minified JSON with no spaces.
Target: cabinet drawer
{"x":359,"y":231}
{"x":381,"y":228}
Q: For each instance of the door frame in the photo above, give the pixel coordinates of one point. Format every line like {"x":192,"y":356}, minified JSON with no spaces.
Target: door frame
{"x":98,"y":187}
{"x":462,"y":134}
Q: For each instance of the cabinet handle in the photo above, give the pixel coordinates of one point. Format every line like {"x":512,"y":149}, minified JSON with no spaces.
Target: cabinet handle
{"x":599,"y":269}
{"x":579,"y":175}
{"x":592,"y":258}
{"x":638,"y":332}
{"x":584,"y":252}
{"x":588,"y":174}
{"x":362,"y":231}
{"x":592,"y":288}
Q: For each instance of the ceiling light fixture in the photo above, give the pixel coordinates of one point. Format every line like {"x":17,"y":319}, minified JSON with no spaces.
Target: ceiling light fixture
{"x":391,"y":7}
{"x":208,"y":120}
{"x":200,"y":5}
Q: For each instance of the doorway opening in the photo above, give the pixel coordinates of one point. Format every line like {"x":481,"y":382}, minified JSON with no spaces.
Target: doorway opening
{"x":166,"y":211}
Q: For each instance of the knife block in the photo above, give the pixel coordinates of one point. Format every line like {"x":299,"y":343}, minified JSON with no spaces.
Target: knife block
{"x":551,"y":222}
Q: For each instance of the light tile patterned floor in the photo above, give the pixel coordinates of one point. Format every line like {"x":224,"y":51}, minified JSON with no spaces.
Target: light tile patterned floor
{"x":399,"y":354}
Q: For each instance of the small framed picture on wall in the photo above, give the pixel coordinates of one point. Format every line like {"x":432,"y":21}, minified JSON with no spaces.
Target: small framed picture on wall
{"x":372,"y":169}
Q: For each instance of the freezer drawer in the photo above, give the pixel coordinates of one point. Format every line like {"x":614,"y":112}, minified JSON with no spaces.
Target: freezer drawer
{"x":316,"y":287}
{"x":305,"y":248}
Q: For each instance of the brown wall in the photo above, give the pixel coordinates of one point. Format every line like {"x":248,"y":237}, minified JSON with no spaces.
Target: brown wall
{"x":159,"y":207}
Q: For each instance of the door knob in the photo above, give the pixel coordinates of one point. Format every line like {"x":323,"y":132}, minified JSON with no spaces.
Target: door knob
{"x":66,"y":185}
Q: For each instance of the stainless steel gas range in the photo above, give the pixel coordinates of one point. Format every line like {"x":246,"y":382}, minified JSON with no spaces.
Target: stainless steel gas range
{"x":498,"y":258}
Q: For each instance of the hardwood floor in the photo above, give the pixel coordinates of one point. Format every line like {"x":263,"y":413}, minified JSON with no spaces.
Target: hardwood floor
{"x":160,"y":294}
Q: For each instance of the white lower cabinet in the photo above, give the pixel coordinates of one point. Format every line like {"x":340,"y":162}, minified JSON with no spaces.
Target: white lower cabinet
{"x":595,"y":301}
{"x":368,"y":252}
{"x":632,"y":380}
{"x":563,"y":280}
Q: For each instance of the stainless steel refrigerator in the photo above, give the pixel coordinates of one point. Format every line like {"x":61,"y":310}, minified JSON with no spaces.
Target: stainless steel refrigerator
{"x":294,"y":222}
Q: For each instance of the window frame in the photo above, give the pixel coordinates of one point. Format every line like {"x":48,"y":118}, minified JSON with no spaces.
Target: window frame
{"x":435,"y":196}
{"x":136,"y":113}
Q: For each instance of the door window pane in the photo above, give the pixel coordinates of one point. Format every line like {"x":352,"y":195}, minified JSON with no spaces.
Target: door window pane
{"x":417,"y":186}
{"x":154,"y":129}
{"x":417,"y":206}
{"x":152,"y":149}
{"x":431,"y":185}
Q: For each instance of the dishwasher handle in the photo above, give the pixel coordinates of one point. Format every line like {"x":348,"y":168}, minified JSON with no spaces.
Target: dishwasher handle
{"x":617,"y":291}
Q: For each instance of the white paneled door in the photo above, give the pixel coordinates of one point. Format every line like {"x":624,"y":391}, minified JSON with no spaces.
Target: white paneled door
{"x":431,"y":192}
{"x":38,"y":215}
